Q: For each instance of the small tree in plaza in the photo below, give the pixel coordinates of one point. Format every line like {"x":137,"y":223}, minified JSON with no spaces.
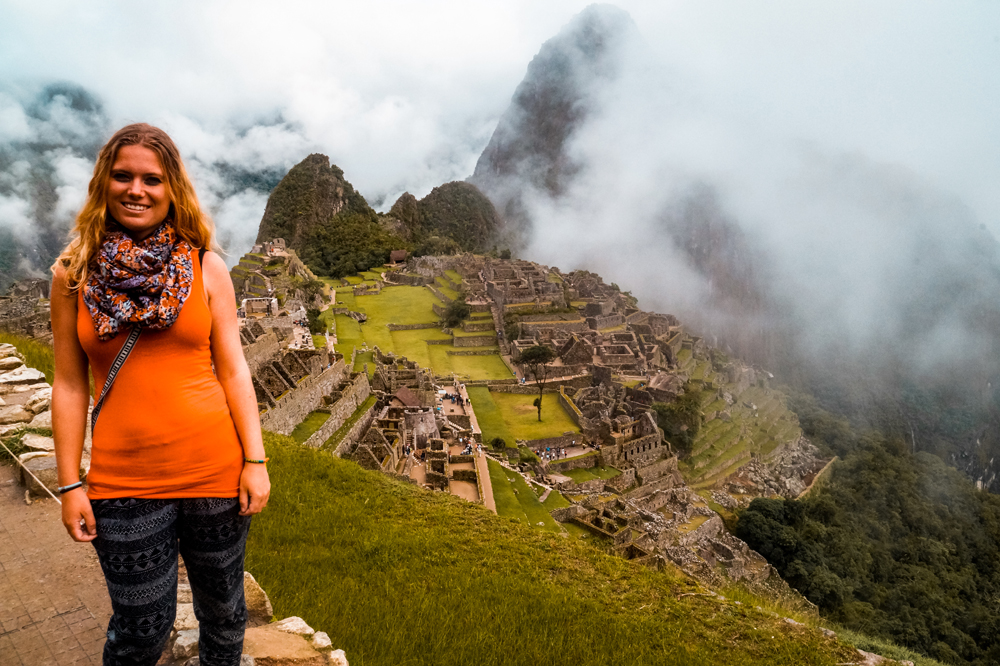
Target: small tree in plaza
{"x":536,"y":358}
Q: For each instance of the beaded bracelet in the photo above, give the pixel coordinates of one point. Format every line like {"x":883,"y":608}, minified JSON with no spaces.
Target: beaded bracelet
{"x":73,"y":486}
{"x":259,"y":462}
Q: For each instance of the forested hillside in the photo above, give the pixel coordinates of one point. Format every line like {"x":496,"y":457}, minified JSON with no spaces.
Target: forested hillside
{"x":895,"y":544}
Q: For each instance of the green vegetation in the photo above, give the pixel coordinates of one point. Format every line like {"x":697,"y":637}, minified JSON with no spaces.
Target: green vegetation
{"x":455,"y":312}
{"x":681,"y":420}
{"x":518,"y":413}
{"x":313,"y":422}
{"x":382,"y":566}
{"x":491,"y":421}
{"x":36,"y":355}
{"x":453,"y":217}
{"x":580,"y":474}
{"x":894,"y":544}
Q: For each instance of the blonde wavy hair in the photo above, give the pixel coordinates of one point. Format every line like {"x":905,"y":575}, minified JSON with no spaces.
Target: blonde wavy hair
{"x":191,"y":223}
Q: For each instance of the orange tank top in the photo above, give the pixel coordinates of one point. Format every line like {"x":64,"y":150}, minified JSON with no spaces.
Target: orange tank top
{"x":165,"y":429}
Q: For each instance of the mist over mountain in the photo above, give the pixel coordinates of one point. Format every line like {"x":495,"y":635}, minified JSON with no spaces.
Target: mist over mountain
{"x":49,"y":139}
{"x":854,"y":278}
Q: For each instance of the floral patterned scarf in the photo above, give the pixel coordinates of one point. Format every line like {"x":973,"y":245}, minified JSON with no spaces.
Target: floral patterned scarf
{"x":143,"y":283}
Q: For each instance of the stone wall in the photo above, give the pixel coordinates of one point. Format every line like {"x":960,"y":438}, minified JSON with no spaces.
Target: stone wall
{"x":411,"y":327}
{"x":476,"y":326}
{"x":562,"y":441}
{"x":474,"y":341}
{"x":580,"y":462}
{"x":607,"y":321}
{"x":578,"y":326}
{"x":574,"y":412}
{"x":295,"y":405}
{"x":357,"y":431}
{"x":352,"y":397}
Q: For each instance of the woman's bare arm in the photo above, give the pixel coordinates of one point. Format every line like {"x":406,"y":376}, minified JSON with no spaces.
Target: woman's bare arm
{"x":234,"y":375}
{"x":70,"y":400}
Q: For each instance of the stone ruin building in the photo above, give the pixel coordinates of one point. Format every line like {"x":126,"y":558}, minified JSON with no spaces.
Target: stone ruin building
{"x":24,"y":309}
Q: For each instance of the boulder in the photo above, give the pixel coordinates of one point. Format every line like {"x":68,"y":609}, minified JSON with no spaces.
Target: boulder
{"x":7,"y":349}
{"x":185,"y":618}
{"x":43,"y":465}
{"x":39,"y":401}
{"x":186,"y":644}
{"x":15,"y":414}
{"x":34,"y":442}
{"x":271,"y":647}
{"x":19,"y":377}
{"x":9,"y":363}
{"x":321,"y":641}
{"x":337,"y":658}
{"x":43,"y":420}
{"x":294,"y":625}
{"x":258,"y":605}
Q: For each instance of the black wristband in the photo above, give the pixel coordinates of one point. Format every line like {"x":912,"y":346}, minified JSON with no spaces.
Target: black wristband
{"x":73,"y":486}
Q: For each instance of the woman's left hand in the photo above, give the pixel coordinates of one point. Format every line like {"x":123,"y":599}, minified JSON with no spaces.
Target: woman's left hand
{"x":255,"y":488}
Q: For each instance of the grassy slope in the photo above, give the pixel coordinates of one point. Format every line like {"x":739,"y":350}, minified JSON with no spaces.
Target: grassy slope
{"x":521,"y":416}
{"x":488,"y":414}
{"x":398,"y":575}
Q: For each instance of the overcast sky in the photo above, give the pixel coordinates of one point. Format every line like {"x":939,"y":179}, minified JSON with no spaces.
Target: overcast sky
{"x":404,"y":95}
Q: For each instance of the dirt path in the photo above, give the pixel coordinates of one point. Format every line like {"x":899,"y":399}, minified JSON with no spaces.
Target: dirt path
{"x":54,"y":606}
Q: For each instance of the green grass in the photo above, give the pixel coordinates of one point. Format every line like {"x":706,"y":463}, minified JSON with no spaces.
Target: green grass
{"x":555,"y":500}
{"x":399,"y":575}
{"x":334,"y":440}
{"x":521,"y":416}
{"x":442,"y":285}
{"x":488,"y":414}
{"x":506,"y":501}
{"x":409,"y":305}
{"x":36,"y":355}
{"x":319,"y":341}
{"x":310,"y":425}
{"x":535,"y":514}
{"x":580,"y":474}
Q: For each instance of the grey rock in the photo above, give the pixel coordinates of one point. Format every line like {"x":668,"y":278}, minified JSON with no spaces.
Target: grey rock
{"x":186,"y":644}
{"x":40,"y":401}
{"x":258,"y":605}
{"x":43,"y":420}
{"x":321,"y":641}
{"x":185,"y":619}
{"x":15,"y":414}
{"x":43,"y":466}
{"x":34,"y":442}
{"x":294,"y":625}
{"x":337,"y":658}
{"x":7,"y":349}
{"x":9,"y":363}
{"x":23,"y":375}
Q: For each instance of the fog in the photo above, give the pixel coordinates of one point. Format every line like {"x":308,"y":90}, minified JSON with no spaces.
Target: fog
{"x":763,"y":102}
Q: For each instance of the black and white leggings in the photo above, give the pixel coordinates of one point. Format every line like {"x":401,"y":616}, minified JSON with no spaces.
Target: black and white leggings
{"x":137,"y":543}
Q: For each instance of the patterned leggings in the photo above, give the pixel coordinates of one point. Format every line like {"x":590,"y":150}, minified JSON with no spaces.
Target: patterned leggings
{"x":137,"y":543}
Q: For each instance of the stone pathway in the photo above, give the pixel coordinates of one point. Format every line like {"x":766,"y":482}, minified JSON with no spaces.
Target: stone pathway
{"x":54,"y":607}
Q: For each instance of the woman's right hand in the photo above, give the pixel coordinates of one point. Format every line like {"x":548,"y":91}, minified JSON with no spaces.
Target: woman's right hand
{"x":78,"y":516}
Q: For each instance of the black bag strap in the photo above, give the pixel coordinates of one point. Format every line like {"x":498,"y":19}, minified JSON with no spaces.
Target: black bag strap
{"x":113,"y":372}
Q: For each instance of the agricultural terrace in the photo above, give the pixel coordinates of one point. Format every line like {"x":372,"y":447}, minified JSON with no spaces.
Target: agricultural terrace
{"x":384,"y":566}
{"x":405,"y":305}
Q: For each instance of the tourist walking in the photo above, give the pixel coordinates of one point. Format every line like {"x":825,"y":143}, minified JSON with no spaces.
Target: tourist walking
{"x":178,"y":463}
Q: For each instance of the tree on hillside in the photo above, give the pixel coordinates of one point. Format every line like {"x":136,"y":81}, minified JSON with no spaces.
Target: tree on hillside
{"x":536,"y":358}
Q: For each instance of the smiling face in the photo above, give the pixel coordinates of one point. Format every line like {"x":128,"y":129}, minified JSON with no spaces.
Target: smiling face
{"x":138,"y":197}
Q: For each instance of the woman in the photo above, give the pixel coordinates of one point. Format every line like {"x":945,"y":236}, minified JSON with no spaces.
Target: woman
{"x":177,"y":461}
